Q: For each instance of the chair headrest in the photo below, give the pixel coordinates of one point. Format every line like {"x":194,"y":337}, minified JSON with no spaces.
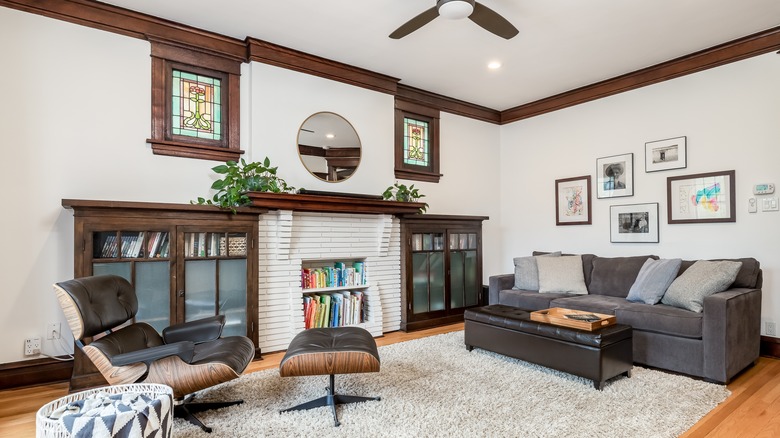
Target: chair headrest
{"x":95,"y":304}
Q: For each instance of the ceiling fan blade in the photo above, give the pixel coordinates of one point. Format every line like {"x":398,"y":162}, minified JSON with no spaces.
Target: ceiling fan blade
{"x":415,"y":23}
{"x":491,"y":21}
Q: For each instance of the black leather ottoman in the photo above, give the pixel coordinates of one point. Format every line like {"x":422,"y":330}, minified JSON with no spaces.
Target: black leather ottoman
{"x":598,"y":355}
{"x":337,"y":350}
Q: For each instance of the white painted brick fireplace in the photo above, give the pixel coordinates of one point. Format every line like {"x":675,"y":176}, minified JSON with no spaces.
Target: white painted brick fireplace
{"x":289,"y":239}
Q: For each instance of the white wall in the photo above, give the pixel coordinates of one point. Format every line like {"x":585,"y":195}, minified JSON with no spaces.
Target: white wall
{"x":75,"y":119}
{"x":730,"y":116}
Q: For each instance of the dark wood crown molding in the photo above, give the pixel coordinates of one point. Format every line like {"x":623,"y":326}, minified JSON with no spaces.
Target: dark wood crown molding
{"x":448,"y":104}
{"x":133,"y":24}
{"x":126,"y":22}
{"x":736,"y":50}
{"x":273,"y":54}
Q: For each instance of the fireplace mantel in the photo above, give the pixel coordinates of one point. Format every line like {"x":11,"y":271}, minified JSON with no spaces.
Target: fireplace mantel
{"x":331,"y":204}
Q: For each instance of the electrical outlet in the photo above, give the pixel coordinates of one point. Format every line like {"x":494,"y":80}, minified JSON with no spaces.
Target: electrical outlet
{"x":32,"y":346}
{"x":53,"y":330}
{"x":770,"y":328}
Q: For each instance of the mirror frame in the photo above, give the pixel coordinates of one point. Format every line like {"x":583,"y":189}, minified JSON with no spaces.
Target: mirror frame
{"x":337,"y":159}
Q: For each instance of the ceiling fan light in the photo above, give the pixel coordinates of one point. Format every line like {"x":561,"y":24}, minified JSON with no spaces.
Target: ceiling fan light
{"x":455,"y":9}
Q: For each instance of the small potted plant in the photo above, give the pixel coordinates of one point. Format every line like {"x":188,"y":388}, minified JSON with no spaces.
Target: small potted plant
{"x":240,"y":178}
{"x":402,"y":193}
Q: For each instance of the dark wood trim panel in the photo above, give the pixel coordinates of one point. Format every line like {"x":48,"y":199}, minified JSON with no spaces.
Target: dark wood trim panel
{"x":448,"y":104}
{"x":770,"y":347}
{"x":736,"y":50}
{"x":273,"y":54}
{"x":34,"y":372}
{"x":134,"y":24}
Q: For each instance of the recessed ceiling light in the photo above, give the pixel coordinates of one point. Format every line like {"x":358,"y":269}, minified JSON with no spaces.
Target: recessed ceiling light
{"x":330,"y":135}
{"x":494,"y":65}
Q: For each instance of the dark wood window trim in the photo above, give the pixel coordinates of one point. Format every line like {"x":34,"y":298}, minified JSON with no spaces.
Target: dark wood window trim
{"x":165,"y":58}
{"x":423,"y":113}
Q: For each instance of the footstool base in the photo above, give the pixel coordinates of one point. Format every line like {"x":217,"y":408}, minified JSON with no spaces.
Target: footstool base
{"x":332,"y":399}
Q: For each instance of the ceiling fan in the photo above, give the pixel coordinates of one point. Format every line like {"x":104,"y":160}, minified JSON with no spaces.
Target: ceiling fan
{"x":458,"y":9}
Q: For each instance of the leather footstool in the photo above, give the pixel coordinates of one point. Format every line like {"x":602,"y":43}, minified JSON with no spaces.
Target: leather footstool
{"x":331,"y":351}
{"x":597,"y":355}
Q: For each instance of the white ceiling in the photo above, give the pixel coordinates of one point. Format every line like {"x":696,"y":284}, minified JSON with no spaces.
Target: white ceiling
{"x":562,"y":45}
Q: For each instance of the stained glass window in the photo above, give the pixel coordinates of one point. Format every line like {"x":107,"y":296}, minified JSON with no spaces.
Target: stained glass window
{"x":196,"y":108}
{"x":416,"y":142}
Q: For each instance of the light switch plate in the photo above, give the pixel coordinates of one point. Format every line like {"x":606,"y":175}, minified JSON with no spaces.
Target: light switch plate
{"x":770,"y":204}
{"x":752,"y":205}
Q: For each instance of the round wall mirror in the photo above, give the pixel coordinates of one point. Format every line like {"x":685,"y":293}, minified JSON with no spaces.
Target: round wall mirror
{"x":329,"y":147}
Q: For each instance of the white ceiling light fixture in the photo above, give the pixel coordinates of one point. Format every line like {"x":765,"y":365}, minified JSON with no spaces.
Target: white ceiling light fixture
{"x":494,"y":65}
{"x":455,"y":9}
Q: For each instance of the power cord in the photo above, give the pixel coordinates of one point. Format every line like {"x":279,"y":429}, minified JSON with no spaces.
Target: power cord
{"x":62,"y":358}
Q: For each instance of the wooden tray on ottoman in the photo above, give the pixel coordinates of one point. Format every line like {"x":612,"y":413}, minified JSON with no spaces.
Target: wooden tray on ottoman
{"x":557,"y":316}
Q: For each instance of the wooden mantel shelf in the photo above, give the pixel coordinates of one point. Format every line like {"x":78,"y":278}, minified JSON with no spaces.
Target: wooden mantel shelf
{"x":327,"y":203}
{"x":130,"y":207}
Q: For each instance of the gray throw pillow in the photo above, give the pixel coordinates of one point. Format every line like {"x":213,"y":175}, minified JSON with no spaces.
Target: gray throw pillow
{"x":653,"y":280}
{"x":561,"y":275}
{"x":526,"y":272}
{"x":701,"y":280}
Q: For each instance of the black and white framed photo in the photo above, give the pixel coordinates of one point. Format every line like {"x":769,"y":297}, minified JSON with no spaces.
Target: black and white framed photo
{"x":668,"y":154}
{"x":634,"y":223}
{"x":615,"y":176}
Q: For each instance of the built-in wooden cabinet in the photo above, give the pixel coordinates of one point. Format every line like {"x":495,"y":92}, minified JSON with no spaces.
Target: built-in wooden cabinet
{"x":441,"y":268}
{"x":186,"y":262}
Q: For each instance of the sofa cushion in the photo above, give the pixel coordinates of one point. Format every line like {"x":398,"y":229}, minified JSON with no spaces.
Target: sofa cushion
{"x":527,"y":273}
{"x":614,"y":276}
{"x":528,"y":300}
{"x":653,"y":280}
{"x":663,"y":319}
{"x":701,"y":280}
{"x":590,"y":303}
{"x":746,"y":277}
{"x":587,"y":263}
{"x":561,"y":274}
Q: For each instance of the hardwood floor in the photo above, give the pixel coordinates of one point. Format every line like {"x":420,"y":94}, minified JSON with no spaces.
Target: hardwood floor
{"x":752,"y":410}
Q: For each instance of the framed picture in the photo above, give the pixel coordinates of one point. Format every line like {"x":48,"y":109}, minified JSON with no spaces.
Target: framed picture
{"x":572,"y":201}
{"x":615,"y":176}
{"x":635,"y":223}
{"x":701,"y":198}
{"x":671,"y":153}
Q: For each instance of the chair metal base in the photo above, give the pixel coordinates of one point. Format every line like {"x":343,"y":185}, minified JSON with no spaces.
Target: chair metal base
{"x":331,"y":399}
{"x":186,"y":410}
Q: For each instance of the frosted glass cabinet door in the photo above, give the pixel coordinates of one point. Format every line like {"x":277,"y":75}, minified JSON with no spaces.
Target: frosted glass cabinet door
{"x":200,"y":283}
{"x":152,"y":286}
{"x":232,"y":296}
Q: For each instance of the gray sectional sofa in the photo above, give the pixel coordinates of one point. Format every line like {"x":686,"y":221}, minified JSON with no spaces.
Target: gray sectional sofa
{"x":715,"y":344}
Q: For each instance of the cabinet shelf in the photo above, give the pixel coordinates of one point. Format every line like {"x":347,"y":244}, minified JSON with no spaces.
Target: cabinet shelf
{"x":335,"y":289}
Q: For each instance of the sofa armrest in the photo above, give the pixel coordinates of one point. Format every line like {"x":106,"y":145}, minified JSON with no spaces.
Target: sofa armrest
{"x":498,"y":283}
{"x":731,"y":332}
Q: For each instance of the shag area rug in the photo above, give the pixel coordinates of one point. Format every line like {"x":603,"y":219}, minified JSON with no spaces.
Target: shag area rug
{"x":434,"y":387}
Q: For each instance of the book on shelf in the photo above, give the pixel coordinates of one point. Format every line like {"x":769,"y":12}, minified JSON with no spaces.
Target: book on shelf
{"x":338,"y":275}
{"x":335,"y":309}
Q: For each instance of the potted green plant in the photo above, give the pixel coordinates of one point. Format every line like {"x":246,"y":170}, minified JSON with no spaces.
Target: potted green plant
{"x":240,"y":178}
{"x":402,"y":193}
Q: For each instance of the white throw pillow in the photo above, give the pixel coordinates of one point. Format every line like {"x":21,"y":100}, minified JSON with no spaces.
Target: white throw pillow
{"x":561,"y":275}
{"x":526,"y":272}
